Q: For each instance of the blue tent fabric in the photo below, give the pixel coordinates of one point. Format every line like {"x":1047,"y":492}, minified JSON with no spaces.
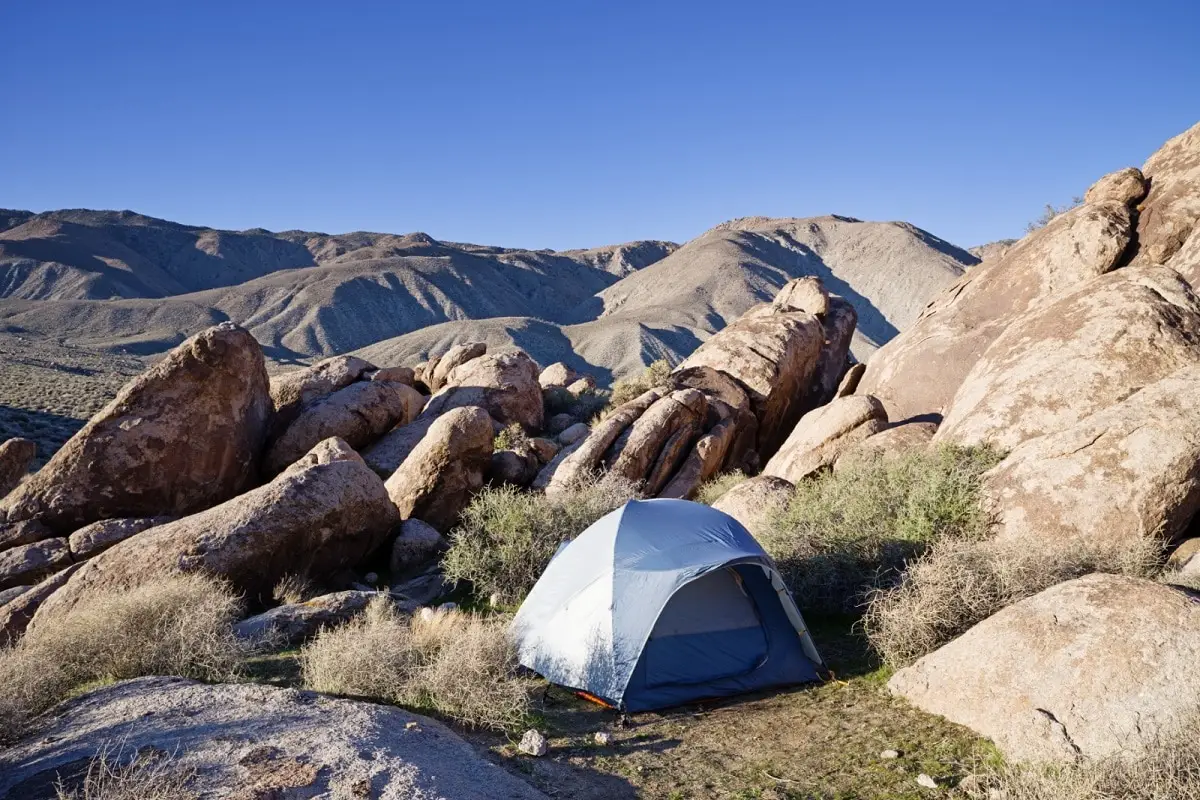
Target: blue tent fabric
{"x":662,"y":602}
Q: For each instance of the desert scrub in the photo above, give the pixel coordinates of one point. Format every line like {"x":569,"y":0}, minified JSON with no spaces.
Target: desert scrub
{"x":146,"y":776}
{"x":843,"y":533}
{"x":956,"y":584}
{"x":626,"y":389}
{"x":583,"y":407}
{"x":510,"y":438}
{"x":507,"y":536}
{"x":182,"y":625}
{"x":457,"y":665}
{"x":711,"y":490}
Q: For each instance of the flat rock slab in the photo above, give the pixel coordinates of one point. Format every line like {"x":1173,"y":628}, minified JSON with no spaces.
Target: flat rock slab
{"x":247,"y":740}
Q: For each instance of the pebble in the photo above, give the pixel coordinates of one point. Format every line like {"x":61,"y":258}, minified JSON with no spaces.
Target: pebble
{"x":533,"y":744}
{"x":603,"y":738}
{"x":926,"y":781}
{"x":890,"y":754}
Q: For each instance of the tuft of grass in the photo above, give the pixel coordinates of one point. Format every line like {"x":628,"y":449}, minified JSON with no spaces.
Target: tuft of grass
{"x":582,"y":407}
{"x":844,"y":533}
{"x":182,"y":625}
{"x":147,"y":776}
{"x":293,"y":589}
{"x":956,"y":584}
{"x":712,"y":490}
{"x":626,"y":389}
{"x":457,"y":665}
{"x":507,"y":536}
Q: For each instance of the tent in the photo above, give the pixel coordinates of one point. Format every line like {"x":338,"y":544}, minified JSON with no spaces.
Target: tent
{"x":663,"y":602}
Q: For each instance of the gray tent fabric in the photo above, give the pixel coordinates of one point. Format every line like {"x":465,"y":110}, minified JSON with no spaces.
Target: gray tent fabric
{"x":662,"y":602}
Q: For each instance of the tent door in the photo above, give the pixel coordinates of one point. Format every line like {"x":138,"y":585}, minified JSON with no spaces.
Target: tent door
{"x":709,"y":629}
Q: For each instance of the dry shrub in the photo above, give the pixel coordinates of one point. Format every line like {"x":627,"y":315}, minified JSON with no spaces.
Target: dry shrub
{"x":461,"y":666}
{"x":627,"y":389}
{"x":583,"y":406}
{"x":510,"y":438}
{"x":957,"y":584}
{"x":507,"y":536}
{"x":844,"y":532}
{"x":293,"y":589}
{"x":711,"y":490}
{"x":147,"y":776}
{"x":1168,"y":770}
{"x":182,"y":625}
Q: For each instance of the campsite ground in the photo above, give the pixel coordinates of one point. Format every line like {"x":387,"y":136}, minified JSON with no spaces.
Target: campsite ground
{"x":820,"y":742}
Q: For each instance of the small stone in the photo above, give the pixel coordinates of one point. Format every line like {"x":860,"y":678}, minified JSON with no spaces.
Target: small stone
{"x":886,"y":754}
{"x":371,"y":578}
{"x":533,"y":744}
{"x":446,"y":608}
{"x":412,"y":726}
{"x":603,"y":738}
{"x":427,"y":614}
{"x":926,"y":781}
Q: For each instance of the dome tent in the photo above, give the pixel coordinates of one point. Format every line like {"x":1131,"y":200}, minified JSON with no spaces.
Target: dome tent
{"x":663,"y":602}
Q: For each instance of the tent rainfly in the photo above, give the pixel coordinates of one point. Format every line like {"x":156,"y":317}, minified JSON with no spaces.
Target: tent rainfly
{"x":664,"y":602}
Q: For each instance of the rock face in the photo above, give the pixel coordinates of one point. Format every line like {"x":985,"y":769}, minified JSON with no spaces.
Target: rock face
{"x":99,"y":536}
{"x":389,"y":452}
{"x":1171,"y":211}
{"x":1125,"y":186}
{"x":918,"y":372}
{"x":456,"y":356}
{"x":358,"y":414}
{"x":825,"y":433}
{"x":417,"y":545}
{"x":751,"y":502}
{"x":505,"y":385}
{"x":890,"y":443}
{"x":26,"y":531}
{"x":1064,"y":360}
{"x":1130,"y":470}
{"x":28,"y":563}
{"x":704,"y":461}
{"x":447,"y":466}
{"x":326,"y":512}
{"x":16,"y":614}
{"x":573,"y":464}
{"x":1093,"y":667}
{"x":184,"y":435}
{"x":15,"y":457}
{"x":273,"y":742}
{"x":293,"y":390}
{"x":291,"y":624}
{"x":840,"y":322}
{"x":660,"y":438}
{"x":557,"y":374}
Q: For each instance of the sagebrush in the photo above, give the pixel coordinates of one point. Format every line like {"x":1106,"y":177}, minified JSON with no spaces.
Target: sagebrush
{"x":461,"y":666}
{"x":507,"y":536}
{"x":843,"y":533}
{"x":182,"y":625}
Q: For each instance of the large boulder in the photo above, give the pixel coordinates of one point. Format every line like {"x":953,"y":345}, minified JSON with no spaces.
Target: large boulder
{"x":417,"y":545}
{"x":839,"y":320}
{"x":25,"y":531}
{"x":291,"y":624}
{"x":16,"y":614}
{"x":918,"y":372}
{"x":99,"y":536}
{"x":889,"y":444}
{"x":245,"y":740}
{"x":291,"y":391}
{"x":557,"y":374}
{"x":576,"y":463}
{"x":15,"y":457}
{"x":28,"y":563}
{"x":437,"y":479}
{"x":1087,"y":350}
{"x":324,"y":513}
{"x":703,"y":462}
{"x":1169,"y":215}
{"x":183,"y":436}
{"x":825,"y":433}
{"x":388,"y":452}
{"x":753,"y":501}
{"x":660,"y":438}
{"x":772,"y":353}
{"x":456,"y":356}
{"x":1094,"y":667}
{"x":358,"y":414}
{"x":1130,"y":470}
{"x":503,"y":384}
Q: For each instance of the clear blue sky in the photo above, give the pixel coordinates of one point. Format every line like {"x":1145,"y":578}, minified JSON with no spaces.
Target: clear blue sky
{"x":568,"y":124}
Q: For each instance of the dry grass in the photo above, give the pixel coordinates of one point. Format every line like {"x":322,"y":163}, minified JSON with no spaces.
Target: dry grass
{"x":627,"y":389}
{"x":177,"y":626}
{"x":710,"y":491}
{"x":957,"y":584}
{"x":460,"y":666}
{"x":148,"y":776}
{"x":293,"y":589}
{"x":507,"y":536}
{"x":1169,"y":770}
{"x":844,"y":533}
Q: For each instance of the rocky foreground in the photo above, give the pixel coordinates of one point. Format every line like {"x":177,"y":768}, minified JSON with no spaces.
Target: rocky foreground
{"x":1075,"y":351}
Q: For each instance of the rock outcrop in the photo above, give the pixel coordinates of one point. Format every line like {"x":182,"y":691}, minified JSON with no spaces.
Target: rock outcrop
{"x":576,"y":463}
{"x":183,"y":436}
{"x":435,"y":482}
{"x":27,"y":564}
{"x":417,"y":545}
{"x":324,"y":513}
{"x":890,"y":443}
{"x":1092,"y":668}
{"x":659,"y":439}
{"x":504,"y":384}
{"x":825,"y":433}
{"x":456,"y":356}
{"x":15,"y":457}
{"x":16,"y":614}
{"x":1169,"y":215}
{"x":293,"y":390}
{"x":557,"y":374}
{"x":291,"y":624}
{"x":99,"y":536}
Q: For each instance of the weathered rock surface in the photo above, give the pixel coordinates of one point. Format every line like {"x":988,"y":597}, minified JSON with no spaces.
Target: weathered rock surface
{"x":1130,"y":470}
{"x":417,"y":545}
{"x":435,"y":482}
{"x":390,"y":450}
{"x":26,"y":531}
{"x":15,"y":457}
{"x":703,"y":462}
{"x":839,"y":321}
{"x":503,"y":384}
{"x":825,"y":433}
{"x":918,"y":372}
{"x":660,"y":437}
{"x":324,"y":513}
{"x":573,"y":433}
{"x":272,"y":743}
{"x":752,"y":501}
{"x":456,"y":356}
{"x":182,"y":436}
{"x":12,"y":593}
{"x":513,"y":467}
{"x":28,"y":563}
{"x":892,"y":442}
{"x":1125,"y":186}
{"x":16,"y":614}
{"x":557,"y":374}
{"x":291,"y":391}
{"x":573,"y":464}
{"x":1093,"y":667}
{"x":99,"y":536}
{"x":403,"y":375}
{"x":358,"y":414}
{"x":849,"y":382}
{"x":1171,"y":211}
{"x":293,"y":623}
{"x":1087,"y":350}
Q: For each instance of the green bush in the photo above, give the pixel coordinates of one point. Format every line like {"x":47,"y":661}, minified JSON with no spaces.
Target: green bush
{"x":510,"y":438}
{"x":582,"y":407}
{"x":507,"y":536}
{"x":627,"y":389}
{"x":710,"y":491}
{"x":845,"y":532}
